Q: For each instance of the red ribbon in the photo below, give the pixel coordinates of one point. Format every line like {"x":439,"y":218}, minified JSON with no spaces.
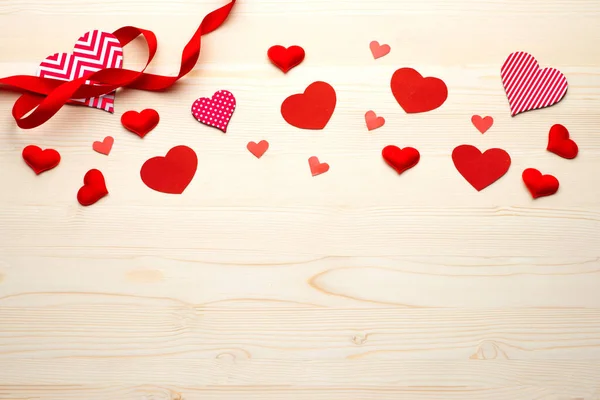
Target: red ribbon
{"x":45,"y":96}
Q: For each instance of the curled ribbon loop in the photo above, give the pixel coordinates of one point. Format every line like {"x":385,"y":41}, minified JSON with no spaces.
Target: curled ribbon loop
{"x":43,"y":97}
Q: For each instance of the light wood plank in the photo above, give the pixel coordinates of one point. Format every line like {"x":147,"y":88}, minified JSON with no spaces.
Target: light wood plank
{"x":85,"y":325}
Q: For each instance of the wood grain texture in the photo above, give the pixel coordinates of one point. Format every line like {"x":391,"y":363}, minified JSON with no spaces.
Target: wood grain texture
{"x":262,"y":282}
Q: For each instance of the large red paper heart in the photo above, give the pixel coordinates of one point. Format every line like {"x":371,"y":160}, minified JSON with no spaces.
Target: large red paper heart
{"x":40,"y":160}
{"x":140,"y":123}
{"x":216,"y":111}
{"x":416,"y":94}
{"x":400,"y":159}
{"x":172,"y":173}
{"x":93,"y":189}
{"x":286,"y":59}
{"x":539,"y":185}
{"x":93,"y":51}
{"x":480,"y":170}
{"x":529,"y":87}
{"x":311,"y":109}
{"x":317,"y":167}
{"x":560,"y":143}
{"x":258,"y":149}
{"x":482,"y":124}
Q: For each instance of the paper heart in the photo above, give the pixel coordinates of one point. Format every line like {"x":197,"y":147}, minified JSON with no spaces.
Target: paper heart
{"x":482,"y":124}
{"x":172,"y":173}
{"x":527,"y":86}
{"x":400,"y":159}
{"x":258,"y":149}
{"x":378,"y":50}
{"x":316,"y":167}
{"x":93,"y":51}
{"x":416,"y":94}
{"x":560,"y":143}
{"x":539,"y":185}
{"x":480,"y":170}
{"x":104,"y":146}
{"x":311,"y":109}
{"x":93,"y":189}
{"x":140,"y":123}
{"x":373,"y":121}
{"x":286,"y":59}
{"x":40,"y":160}
{"x":216,"y":111}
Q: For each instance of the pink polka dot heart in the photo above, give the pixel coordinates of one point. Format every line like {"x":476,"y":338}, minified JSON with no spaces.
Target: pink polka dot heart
{"x":216,"y":111}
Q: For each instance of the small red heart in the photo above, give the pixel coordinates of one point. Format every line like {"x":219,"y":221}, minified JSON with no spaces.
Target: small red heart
{"x":172,"y":173}
{"x":560,"y":144}
{"x":258,"y":149}
{"x":480,"y":170}
{"x":482,"y":124}
{"x":40,"y":160}
{"x":104,"y":146}
{"x":416,"y":94}
{"x":400,"y":159}
{"x":286,"y":59}
{"x":140,"y":123}
{"x":373,"y":121}
{"x":316,"y":167}
{"x":311,"y":109}
{"x":539,"y":185}
{"x":93,"y":189}
{"x":378,"y":50}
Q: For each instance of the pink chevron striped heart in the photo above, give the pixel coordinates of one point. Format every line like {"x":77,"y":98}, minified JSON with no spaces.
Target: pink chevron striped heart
{"x":93,"y":51}
{"x":529,"y":87}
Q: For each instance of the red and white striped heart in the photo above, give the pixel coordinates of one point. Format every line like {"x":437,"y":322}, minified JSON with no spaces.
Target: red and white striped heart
{"x":93,"y":51}
{"x":530,"y":87}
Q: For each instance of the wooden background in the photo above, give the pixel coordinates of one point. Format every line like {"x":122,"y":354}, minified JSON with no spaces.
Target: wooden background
{"x":261,"y":282}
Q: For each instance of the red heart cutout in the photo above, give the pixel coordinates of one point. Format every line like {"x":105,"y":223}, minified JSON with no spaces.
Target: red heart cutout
{"x":311,"y":109}
{"x":560,"y":144}
{"x":317,"y":167}
{"x":93,"y":189}
{"x":416,"y":94}
{"x":258,"y":149}
{"x":527,"y":86}
{"x":373,"y":121}
{"x":104,"y":146}
{"x":539,"y":185}
{"x":378,"y":50}
{"x":400,"y":159}
{"x":172,"y":173}
{"x":482,"y":124}
{"x":480,"y":170}
{"x":40,"y":160}
{"x":140,"y":123}
{"x":286,"y":59}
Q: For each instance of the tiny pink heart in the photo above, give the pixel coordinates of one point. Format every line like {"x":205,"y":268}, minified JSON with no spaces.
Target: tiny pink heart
{"x":379,"y":50}
{"x":373,"y":121}
{"x":258,"y":149}
{"x":317,"y":167}
{"x":216,"y":111}
{"x":104,"y":146}
{"x":482,"y":124}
